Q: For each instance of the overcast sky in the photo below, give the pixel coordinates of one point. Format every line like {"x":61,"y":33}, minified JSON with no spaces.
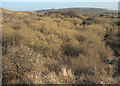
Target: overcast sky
{"x":60,"y":0}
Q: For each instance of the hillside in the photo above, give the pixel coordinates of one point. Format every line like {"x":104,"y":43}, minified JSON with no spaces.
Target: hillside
{"x":81,"y":10}
{"x":60,"y":48}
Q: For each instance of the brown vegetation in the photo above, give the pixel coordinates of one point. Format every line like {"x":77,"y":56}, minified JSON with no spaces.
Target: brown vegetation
{"x":60,"y":48}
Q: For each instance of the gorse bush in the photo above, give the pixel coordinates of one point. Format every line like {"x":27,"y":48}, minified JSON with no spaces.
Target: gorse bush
{"x":59,"y":48}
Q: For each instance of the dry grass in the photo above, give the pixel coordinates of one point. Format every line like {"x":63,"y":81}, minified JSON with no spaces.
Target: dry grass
{"x":58,"y":48}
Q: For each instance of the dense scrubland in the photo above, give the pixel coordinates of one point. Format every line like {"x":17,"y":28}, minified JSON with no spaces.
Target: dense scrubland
{"x":60,"y":48}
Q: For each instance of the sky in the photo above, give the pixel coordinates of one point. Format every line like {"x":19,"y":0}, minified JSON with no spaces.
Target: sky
{"x":60,"y":0}
{"x":16,"y":6}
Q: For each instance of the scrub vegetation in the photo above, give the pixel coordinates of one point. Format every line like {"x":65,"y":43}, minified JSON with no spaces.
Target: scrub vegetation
{"x":60,"y":48}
